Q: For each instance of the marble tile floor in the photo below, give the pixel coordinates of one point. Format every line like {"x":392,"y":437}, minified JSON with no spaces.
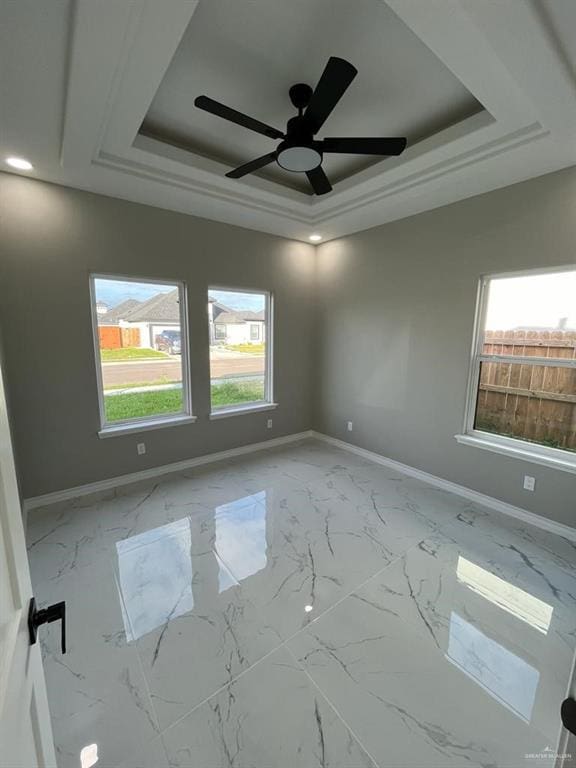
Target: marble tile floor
{"x":301,"y":607}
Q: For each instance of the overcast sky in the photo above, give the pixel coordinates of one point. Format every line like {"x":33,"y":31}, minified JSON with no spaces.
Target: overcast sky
{"x":540,"y":300}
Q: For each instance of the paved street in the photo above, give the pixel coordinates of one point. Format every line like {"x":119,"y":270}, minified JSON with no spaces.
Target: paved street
{"x":141,"y":371}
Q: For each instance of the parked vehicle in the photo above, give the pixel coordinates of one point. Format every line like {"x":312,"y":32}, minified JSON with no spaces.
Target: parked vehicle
{"x":168,"y":341}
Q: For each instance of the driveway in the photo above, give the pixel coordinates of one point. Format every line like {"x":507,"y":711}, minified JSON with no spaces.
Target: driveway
{"x":141,"y":371}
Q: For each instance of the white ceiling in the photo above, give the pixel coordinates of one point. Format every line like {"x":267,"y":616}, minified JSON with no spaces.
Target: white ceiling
{"x":79,"y":78}
{"x":248,"y":54}
{"x":34,"y":40}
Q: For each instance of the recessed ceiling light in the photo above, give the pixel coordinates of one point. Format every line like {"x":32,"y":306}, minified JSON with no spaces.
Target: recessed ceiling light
{"x":20,"y":163}
{"x":315,"y":238}
{"x":308,"y":608}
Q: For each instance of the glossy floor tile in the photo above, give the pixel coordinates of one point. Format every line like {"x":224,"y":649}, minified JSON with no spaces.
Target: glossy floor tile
{"x":488,"y":658}
{"x":301,"y":607}
{"x":272,"y":716}
{"x":188,"y":618}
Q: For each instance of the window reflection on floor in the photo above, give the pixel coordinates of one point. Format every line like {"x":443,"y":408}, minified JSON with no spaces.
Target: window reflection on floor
{"x":89,"y":756}
{"x":241,"y":534}
{"x":160,"y":579}
{"x":516,"y":601}
{"x":505,"y":676}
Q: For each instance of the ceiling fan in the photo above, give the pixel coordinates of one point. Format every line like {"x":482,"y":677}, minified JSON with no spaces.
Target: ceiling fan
{"x":299,"y":151}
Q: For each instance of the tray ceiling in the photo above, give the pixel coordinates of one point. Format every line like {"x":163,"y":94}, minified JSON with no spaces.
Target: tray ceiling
{"x":248,"y":54}
{"x":80,"y":78}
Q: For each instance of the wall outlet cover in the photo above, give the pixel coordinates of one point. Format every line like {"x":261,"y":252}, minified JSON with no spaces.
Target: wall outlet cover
{"x":141,"y":448}
{"x":349,"y":426}
{"x":529,"y":483}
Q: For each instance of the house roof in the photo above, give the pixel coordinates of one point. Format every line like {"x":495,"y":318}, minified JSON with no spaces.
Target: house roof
{"x":163,"y":307}
{"x":119,"y":312}
{"x":252,"y":315}
{"x":233,"y":317}
{"x":229,"y":318}
{"x":218,"y":308}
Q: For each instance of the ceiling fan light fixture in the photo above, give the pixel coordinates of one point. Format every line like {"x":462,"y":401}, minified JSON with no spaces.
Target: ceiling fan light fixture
{"x":298,"y":158}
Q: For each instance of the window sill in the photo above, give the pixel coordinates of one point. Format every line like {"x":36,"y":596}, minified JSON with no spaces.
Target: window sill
{"x":519,"y":451}
{"x":238,"y":411}
{"x":144,"y":426}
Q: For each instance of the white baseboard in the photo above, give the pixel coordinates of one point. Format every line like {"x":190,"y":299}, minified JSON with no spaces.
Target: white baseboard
{"x":480,"y":498}
{"x":145,"y":474}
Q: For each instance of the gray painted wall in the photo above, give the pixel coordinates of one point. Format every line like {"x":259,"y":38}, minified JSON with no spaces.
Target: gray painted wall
{"x":382,"y":339}
{"x":395,"y":316}
{"x":51,"y":239}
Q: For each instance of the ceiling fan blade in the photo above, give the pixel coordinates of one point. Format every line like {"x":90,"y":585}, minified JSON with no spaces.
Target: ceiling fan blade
{"x":319,"y":181}
{"x":392,"y":146}
{"x":221,"y":110}
{"x":253,"y":165}
{"x":337,"y":76}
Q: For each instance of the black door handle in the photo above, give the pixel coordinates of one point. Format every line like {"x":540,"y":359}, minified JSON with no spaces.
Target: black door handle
{"x":568,"y":715}
{"x":36,"y":618}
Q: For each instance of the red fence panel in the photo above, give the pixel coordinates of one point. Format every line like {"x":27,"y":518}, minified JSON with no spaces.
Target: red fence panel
{"x":114,"y":337}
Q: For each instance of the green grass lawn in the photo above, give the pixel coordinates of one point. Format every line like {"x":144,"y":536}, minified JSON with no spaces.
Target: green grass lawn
{"x":253,"y":349}
{"x":129,"y":353}
{"x":137,"y":405}
{"x":234,"y":393}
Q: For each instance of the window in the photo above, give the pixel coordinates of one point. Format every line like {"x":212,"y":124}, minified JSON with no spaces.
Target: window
{"x":140,"y":337}
{"x":522,"y":397}
{"x":240,"y":351}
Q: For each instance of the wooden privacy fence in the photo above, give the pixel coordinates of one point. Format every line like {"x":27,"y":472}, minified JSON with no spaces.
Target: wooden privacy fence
{"x":533,"y":402}
{"x":113,"y":337}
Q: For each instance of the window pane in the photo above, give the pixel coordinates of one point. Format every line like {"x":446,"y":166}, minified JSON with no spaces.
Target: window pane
{"x":530,"y":402}
{"x":140,"y":343}
{"x":532,"y":315}
{"x":238,"y":349}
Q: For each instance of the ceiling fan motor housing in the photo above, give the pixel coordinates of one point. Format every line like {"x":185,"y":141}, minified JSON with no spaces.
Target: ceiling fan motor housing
{"x":300,"y":95}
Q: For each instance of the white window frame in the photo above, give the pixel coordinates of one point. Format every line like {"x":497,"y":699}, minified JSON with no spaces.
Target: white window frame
{"x":508,"y":446}
{"x":268,"y":403}
{"x":254,"y":331}
{"x":220,"y":328}
{"x":129,"y":426}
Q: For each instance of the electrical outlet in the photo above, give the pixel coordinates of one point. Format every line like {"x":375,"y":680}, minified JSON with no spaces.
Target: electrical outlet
{"x":349,"y":426}
{"x":529,"y":483}
{"x":141,"y":448}
{"x":269,"y":424}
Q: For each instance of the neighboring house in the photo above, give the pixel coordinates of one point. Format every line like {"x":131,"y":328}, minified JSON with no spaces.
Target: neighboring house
{"x":101,"y":308}
{"x":119,"y":312}
{"x":151,"y":317}
{"x":161,"y":312}
{"x":233,"y":326}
